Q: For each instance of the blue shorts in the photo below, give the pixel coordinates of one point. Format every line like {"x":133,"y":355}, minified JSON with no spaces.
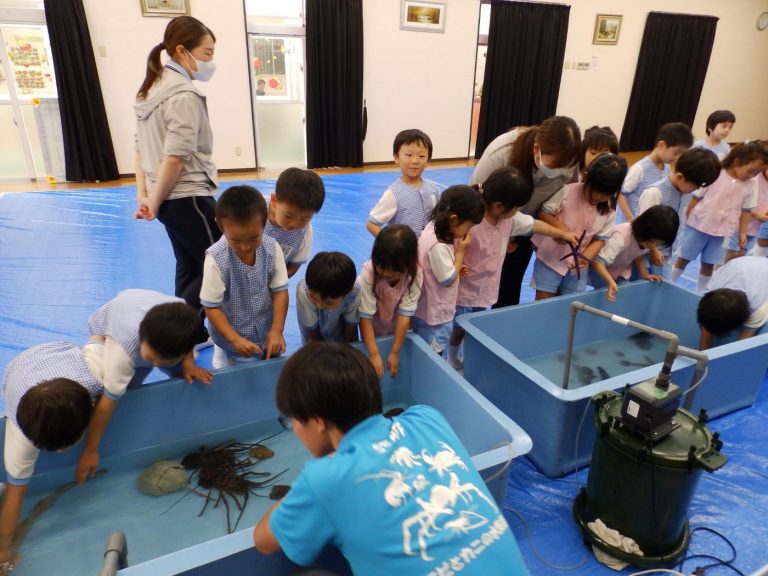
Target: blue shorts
{"x":733,"y":243}
{"x":762,"y":233}
{"x":438,"y":336}
{"x":694,"y":243}
{"x":469,"y":309}
{"x":547,"y":280}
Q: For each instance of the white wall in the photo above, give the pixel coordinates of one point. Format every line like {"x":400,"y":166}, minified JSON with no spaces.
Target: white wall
{"x":424,"y":80}
{"x":418,"y":79}
{"x":128,"y":37}
{"x":735,"y":78}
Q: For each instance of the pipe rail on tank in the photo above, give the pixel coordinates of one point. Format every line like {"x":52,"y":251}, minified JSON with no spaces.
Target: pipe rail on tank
{"x":115,"y":555}
{"x":673,"y":349}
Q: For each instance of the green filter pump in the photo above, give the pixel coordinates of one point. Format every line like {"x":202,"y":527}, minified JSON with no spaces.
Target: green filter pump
{"x":647,"y":460}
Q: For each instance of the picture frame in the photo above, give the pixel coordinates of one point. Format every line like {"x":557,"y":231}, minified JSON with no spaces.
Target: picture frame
{"x":607,"y":28}
{"x":165,"y":8}
{"x":423,"y":16}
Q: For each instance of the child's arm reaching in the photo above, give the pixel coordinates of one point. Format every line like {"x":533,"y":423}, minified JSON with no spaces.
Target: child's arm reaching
{"x":401,"y":329}
{"x":89,"y":459}
{"x":244,"y":347}
{"x":372,"y":228}
{"x":743,"y":222}
{"x":275,"y":342}
{"x":369,"y":338}
{"x":9,"y":520}
{"x":642,"y":270}
{"x":602,"y":271}
{"x":542,"y":227}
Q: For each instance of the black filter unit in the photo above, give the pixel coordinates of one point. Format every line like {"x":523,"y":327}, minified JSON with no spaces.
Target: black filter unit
{"x":642,"y":487}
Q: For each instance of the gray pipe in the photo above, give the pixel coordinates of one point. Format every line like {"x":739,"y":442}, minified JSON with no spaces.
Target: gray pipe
{"x":116,"y":555}
{"x":674,"y":349}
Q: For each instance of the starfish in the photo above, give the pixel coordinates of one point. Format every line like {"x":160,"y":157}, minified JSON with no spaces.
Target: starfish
{"x":577,"y":254}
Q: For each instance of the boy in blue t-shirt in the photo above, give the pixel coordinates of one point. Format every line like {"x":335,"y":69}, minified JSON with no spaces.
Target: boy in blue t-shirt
{"x":327,"y":299}
{"x":396,"y":495}
{"x":299,"y":195}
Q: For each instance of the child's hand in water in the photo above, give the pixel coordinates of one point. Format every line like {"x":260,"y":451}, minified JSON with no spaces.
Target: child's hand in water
{"x":393,"y":363}
{"x":377,"y":363}
{"x":742,"y":240}
{"x":246,"y":348}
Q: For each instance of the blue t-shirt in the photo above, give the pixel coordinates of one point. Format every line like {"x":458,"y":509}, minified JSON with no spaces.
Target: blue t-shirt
{"x":399,"y":496}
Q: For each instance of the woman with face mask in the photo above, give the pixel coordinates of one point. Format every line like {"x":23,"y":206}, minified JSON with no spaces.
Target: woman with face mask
{"x":175,"y":177}
{"x":548,"y":154}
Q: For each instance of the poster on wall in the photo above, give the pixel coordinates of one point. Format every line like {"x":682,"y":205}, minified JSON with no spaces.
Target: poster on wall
{"x":30,"y":65}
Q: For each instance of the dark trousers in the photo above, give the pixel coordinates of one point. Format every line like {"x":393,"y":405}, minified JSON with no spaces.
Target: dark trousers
{"x":191,"y":226}
{"x":512,"y":272}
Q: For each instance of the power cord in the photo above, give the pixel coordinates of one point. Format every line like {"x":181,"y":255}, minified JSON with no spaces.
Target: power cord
{"x":536,"y":552}
{"x":717,"y":561}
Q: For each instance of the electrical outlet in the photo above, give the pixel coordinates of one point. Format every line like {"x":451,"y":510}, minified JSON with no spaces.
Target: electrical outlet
{"x":238,"y":151}
{"x":567,"y":65}
{"x":103,"y":51}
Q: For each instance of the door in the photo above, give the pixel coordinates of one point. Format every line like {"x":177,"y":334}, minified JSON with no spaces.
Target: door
{"x":278,"y":97}
{"x":32,"y":144}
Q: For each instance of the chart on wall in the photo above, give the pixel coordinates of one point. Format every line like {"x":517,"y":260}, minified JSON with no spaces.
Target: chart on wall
{"x":29,"y":62}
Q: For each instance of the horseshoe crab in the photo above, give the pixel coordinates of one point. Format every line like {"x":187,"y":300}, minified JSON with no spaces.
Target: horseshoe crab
{"x":163,"y":477}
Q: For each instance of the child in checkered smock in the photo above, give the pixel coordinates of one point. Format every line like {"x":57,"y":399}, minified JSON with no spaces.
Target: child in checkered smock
{"x":245,"y":282}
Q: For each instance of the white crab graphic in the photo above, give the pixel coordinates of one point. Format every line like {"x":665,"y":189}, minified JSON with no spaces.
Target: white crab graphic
{"x":404,"y":457}
{"x":441,"y":501}
{"x":397,"y":490}
{"x":442,"y":461}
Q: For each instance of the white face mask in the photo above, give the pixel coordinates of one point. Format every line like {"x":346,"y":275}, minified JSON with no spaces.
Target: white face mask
{"x":548,"y":172}
{"x":204,"y":69}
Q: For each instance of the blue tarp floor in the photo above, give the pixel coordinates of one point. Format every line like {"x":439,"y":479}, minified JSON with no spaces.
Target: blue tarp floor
{"x":64,"y":253}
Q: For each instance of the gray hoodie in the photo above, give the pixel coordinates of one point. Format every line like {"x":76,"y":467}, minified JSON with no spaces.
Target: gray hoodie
{"x":173,"y":121}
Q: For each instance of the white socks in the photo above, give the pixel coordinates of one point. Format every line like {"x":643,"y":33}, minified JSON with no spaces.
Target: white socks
{"x":676,"y":273}
{"x":703,"y":283}
{"x":760,"y":251}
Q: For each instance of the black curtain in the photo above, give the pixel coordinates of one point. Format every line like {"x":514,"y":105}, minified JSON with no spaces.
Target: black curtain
{"x":671,"y":69}
{"x":88,"y":151}
{"x":334,"y":83}
{"x":524,"y":63}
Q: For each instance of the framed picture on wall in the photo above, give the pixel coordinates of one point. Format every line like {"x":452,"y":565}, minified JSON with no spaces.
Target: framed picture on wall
{"x":164,"y":8}
{"x":422,"y":16}
{"x":607,"y":27}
